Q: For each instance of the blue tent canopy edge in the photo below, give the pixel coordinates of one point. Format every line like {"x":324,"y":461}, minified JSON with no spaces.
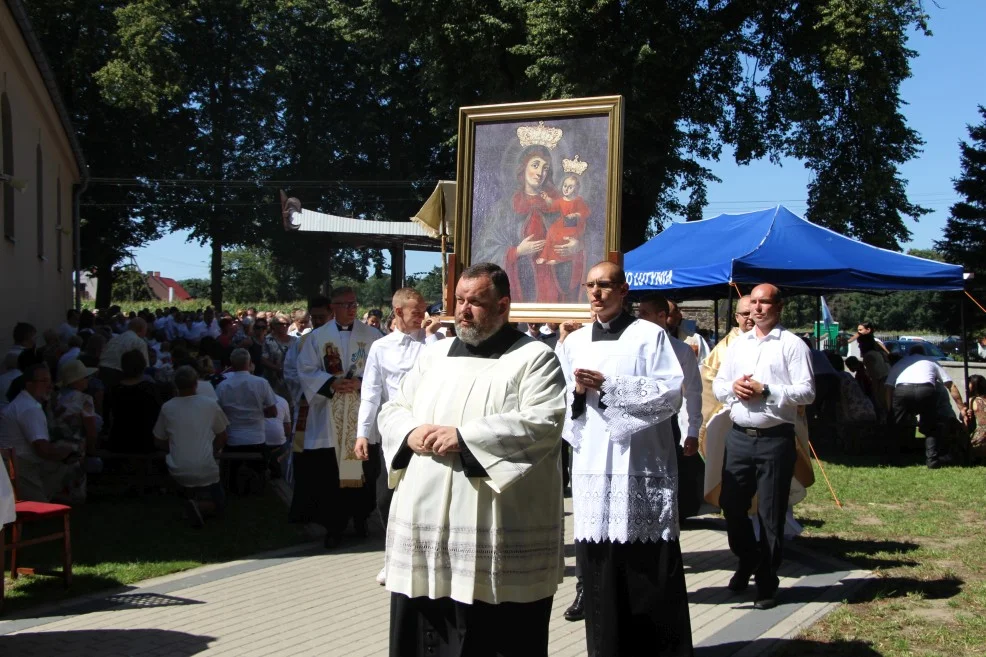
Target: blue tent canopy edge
{"x":701,"y":259}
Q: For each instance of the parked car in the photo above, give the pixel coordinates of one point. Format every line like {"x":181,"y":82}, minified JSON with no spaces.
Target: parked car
{"x":903,"y":347}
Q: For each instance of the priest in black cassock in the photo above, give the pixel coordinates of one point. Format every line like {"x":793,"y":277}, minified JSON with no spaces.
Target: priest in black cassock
{"x":624,"y":385}
{"x":472,"y":442}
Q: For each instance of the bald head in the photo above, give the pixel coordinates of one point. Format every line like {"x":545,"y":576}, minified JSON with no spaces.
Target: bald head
{"x":744,"y":318}
{"x":610,"y":271}
{"x":765,"y":306}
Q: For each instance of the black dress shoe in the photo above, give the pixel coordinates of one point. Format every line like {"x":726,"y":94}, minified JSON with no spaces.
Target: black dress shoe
{"x":765,"y":603}
{"x":576,"y":611}
{"x":331,"y":541}
{"x":739,"y":581}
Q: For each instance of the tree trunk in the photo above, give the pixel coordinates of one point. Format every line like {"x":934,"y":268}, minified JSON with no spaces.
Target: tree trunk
{"x":104,"y":284}
{"x":216,"y":269}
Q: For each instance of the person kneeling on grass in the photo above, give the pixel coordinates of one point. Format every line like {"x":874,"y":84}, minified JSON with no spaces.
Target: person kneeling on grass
{"x":192,"y":429}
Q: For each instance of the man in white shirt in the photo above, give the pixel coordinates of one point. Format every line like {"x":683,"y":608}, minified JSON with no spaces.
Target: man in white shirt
{"x":110,"y":369}
{"x":192,"y":429}
{"x":624,"y":384}
{"x":913,"y":383}
{"x":132,"y":338}
{"x":208,"y":326}
{"x":278,"y":428}
{"x":765,"y":375}
{"x":389,"y":359}
{"x":43,"y":467}
{"x":247,"y":400}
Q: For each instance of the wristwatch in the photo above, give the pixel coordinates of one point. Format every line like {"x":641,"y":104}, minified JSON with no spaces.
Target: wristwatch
{"x":766,"y":391}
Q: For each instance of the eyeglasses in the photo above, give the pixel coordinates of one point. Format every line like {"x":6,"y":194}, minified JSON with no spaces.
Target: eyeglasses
{"x":746,"y":314}
{"x":260,"y":327}
{"x":344,"y":304}
{"x":602,"y":285}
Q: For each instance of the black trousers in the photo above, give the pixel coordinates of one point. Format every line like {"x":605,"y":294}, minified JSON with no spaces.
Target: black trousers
{"x":422,"y":627}
{"x":316,"y":490}
{"x":763,"y":466}
{"x":385,"y":494}
{"x":636,"y":602}
{"x":359,"y":503}
{"x":921,"y":400}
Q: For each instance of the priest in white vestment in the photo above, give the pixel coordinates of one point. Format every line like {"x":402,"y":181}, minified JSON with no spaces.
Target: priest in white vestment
{"x":624,"y":385}
{"x":330,"y":370}
{"x":472,"y":443}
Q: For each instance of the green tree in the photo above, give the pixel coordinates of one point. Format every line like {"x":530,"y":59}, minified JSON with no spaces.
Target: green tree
{"x":198,"y":288}
{"x":131,"y":284}
{"x":964,"y":240}
{"x":78,"y":37}
{"x":429,"y":285}
{"x":251,"y":274}
{"x":815,"y":80}
{"x":206,"y":64}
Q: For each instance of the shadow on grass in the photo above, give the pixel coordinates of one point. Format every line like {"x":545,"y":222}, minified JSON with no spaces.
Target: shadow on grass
{"x":86,"y":643}
{"x":793,"y":647}
{"x":869,"y":554}
{"x":877,"y":589}
{"x":119,"y":541}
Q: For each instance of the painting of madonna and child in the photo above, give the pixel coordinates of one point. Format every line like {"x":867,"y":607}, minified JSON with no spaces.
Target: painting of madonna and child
{"x":540,"y":199}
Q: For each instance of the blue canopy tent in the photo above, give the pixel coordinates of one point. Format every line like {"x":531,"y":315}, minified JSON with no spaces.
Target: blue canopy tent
{"x":701,"y":259}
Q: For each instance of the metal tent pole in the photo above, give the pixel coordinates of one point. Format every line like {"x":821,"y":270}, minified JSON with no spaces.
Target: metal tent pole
{"x":965,"y":346}
{"x":715,"y":306}
{"x":818,"y":323}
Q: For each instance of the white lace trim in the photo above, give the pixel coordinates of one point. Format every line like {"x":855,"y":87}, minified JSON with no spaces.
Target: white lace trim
{"x":625,"y":508}
{"x":634,"y":403}
{"x":572,"y":431}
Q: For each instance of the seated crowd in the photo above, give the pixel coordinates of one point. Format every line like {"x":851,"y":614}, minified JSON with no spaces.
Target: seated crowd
{"x":104,"y":388}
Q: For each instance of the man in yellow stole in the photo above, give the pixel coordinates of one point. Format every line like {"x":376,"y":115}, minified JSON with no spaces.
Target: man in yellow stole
{"x":330,"y":370}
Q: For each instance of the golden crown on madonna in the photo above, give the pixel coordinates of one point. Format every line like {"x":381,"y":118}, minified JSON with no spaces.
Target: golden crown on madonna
{"x":539,"y":134}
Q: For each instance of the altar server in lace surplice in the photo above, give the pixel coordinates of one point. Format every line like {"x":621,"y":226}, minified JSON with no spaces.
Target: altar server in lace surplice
{"x":624,"y":386}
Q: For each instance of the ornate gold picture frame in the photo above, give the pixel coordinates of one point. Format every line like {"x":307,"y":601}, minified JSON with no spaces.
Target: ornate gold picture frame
{"x":538,"y":193}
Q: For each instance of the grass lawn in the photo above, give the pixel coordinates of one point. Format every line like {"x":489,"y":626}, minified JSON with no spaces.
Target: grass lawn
{"x":924,"y":534}
{"x":122,"y":540}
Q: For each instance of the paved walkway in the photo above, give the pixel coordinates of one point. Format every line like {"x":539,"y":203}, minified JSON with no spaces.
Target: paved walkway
{"x":309,"y":602}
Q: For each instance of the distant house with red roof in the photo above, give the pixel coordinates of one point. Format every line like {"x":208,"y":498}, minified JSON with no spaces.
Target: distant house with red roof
{"x":166,"y":289}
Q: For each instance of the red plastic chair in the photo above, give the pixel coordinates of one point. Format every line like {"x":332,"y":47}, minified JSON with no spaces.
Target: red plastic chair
{"x":27,"y":513}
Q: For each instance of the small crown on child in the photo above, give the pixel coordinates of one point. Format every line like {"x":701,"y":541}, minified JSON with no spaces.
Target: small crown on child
{"x":539,"y":134}
{"x":575,"y":166}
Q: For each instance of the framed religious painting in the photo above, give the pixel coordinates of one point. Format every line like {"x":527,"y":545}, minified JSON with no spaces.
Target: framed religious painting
{"x":539,"y":194}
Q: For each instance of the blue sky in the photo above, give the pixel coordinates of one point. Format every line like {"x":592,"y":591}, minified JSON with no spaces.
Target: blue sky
{"x":948,"y":83}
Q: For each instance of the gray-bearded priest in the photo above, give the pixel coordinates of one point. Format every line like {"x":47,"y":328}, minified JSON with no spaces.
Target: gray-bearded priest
{"x":472,"y":442}
{"x":625,"y":386}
